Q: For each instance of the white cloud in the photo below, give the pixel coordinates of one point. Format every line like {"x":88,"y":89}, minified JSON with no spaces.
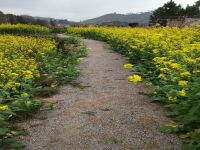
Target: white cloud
{"x":184,"y":3}
{"x":80,"y":9}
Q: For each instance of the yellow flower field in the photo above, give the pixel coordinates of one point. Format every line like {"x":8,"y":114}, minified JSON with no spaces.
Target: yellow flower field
{"x":31,"y":66}
{"x":18,"y":59}
{"x":23,"y":29}
{"x":167,"y":57}
{"x":173,"y":52}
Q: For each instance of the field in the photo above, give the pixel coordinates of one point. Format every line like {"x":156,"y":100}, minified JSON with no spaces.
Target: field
{"x":31,"y":65}
{"x":23,"y":29}
{"x":34,"y":63}
{"x":168,"y":60}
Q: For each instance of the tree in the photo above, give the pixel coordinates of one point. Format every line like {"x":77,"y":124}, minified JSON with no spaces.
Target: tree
{"x":12,"y":19}
{"x":191,"y":11}
{"x":168,"y":10}
{"x":52,"y":22}
{"x":41,"y":22}
{"x":3,"y":18}
{"x":133,"y":24}
{"x":198,"y":3}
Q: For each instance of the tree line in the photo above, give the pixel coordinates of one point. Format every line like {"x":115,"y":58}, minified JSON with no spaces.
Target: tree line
{"x":171,"y":9}
{"x":14,"y":19}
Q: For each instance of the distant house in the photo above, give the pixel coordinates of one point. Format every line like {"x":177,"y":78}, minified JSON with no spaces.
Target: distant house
{"x":62,"y":25}
{"x":191,"y":21}
{"x":175,"y":21}
{"x":181,"y":21}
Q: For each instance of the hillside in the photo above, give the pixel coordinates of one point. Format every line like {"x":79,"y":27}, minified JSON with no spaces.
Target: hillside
{"x":142,"y":18}
{"x":26,"y":19}
{"x":57,"y":21}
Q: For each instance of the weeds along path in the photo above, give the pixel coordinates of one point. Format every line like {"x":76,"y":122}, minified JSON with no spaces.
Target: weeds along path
{"x":108,"y":114}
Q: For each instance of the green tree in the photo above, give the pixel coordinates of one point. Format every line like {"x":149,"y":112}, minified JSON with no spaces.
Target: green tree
{"x":3,"y":18}
{"x":197,"y":3}
{"x":41,"y":22}
{"x":192,"y":11}
{"x":12,"y":19}
{"x":52,"y":22}
{"x":168,"y":10}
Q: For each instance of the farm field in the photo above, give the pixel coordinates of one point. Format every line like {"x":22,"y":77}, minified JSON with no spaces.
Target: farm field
{"x":100,"y":75}
{"x":167,"y":60}
{"x":31,"y":65}
{"x":38,"y":73}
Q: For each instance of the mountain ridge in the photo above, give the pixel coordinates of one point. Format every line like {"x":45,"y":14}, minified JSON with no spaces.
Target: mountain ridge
{"x":141,"y":18}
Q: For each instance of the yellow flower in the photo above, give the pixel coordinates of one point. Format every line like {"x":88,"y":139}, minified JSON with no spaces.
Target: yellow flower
{"x":128,"y":66}
{"x":184,"y":136}
{"x":130,"y":78}
{"x":182,"y":83}
{"x":196,"y":71}
{"x":172,"y":98}
{"x":25,"y":94}
{"x":9,"y":135}
{"x":13,"y":132}
{"x":80,"y":59}
{"x":14,"y":75}
{"x":134,"y":47}
{"x":27,"y":72}
{"x":155,"y":93}
{"x":149,"y":83}
{"x":182,"y":93}
{"x":4,"y":107}
{"x":175,"y":65}
{"x":161,"y":75}
{"x":172,"y":124}
{"x":28,"y":77}
{"x":164,"y":70}
{"x":185,"y":74}
{"x":135,"y":78}
{"x":17,"y":84}
{"x":155,"y":51}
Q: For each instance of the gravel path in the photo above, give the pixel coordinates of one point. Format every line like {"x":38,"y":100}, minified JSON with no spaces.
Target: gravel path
{"x":108,"y":114}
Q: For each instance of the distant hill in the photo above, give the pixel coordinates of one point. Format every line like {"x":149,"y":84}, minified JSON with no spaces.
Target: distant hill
{"x":109,"y":19}
{"x":49,"y":20}
{"x":26,"y":19}
{"x":141,"y":18}
{"x":57,"y":21}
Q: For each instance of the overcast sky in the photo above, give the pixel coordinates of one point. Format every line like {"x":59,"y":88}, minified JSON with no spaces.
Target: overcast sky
{"x":77,"y":10}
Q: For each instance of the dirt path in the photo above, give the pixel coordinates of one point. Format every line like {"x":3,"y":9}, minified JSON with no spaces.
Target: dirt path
{"x":108,"y":114}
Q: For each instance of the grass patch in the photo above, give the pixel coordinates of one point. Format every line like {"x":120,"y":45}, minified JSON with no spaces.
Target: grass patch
{"x":114,"y":141}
